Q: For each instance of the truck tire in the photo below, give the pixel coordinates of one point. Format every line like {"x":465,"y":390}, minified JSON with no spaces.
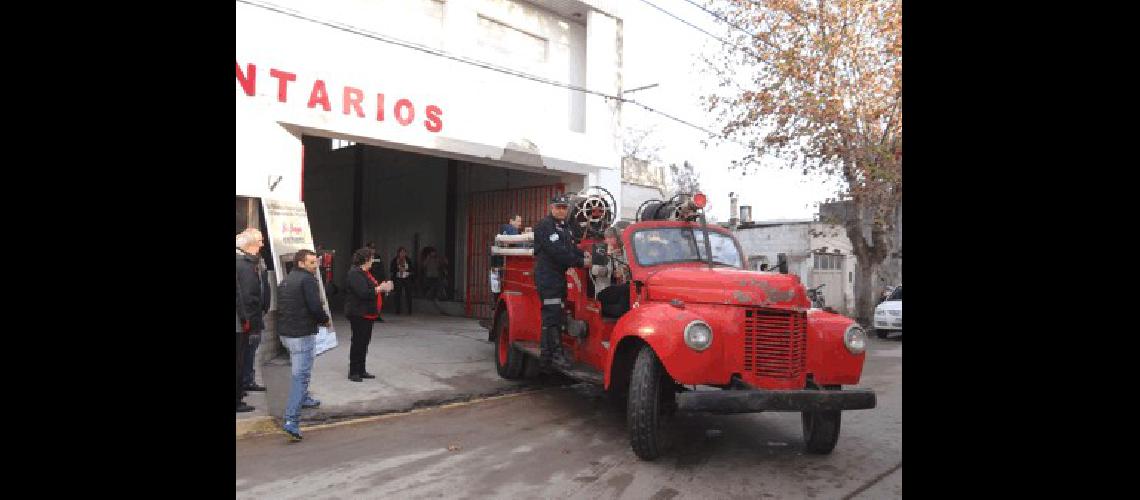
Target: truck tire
{"x":652,"y":400}
{"x":821,"y":431}
{"x":508,"y":360}
{"x":882,"y":334}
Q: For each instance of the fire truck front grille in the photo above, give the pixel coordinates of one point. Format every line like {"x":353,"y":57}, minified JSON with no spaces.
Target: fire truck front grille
{"x":775,"y":343}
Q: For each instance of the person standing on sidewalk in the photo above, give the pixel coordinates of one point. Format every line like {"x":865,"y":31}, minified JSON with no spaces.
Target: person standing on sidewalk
{"x":252,"y":302}
{"x":361,"y":306}
{"x":300,"y":313}
{"x":401,"y":272}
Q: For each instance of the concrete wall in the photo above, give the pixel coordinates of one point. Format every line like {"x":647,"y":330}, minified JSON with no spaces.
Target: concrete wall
{"x":328,"y":201}
{"x":769,"y":241}
{"x":405,"y":195}
{"x":633,"y":195}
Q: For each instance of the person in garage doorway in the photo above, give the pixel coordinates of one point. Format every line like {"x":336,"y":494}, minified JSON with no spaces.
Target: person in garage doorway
{"x":555,"y":251}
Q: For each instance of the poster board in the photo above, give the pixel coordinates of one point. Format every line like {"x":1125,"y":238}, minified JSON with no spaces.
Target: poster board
{"x":287,"y":228}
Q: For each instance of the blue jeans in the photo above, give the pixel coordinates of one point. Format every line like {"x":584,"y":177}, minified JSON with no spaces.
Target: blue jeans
{"x":301,"y":359}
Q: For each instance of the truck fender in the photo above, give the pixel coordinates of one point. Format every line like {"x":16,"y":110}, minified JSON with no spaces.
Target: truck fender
{"x":524,"y":311}
{"x":652,"y":324}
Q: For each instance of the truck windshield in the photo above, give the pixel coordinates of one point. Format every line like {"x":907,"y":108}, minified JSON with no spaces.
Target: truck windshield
{"x":676,"y":244}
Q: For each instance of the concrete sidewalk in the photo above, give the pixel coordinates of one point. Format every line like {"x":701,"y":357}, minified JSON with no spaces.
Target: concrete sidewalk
{"x":420,"y":360}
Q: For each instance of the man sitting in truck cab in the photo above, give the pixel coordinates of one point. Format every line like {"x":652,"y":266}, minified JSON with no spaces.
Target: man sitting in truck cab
{"x":611,"y":283}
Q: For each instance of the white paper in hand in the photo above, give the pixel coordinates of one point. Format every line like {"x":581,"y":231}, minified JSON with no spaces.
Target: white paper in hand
{"x":325,"y":341}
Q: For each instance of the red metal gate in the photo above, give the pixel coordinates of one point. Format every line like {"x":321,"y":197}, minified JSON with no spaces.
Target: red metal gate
{"x":487,"y":211}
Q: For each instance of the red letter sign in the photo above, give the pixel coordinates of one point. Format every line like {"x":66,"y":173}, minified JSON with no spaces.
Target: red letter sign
{"x":352,"y":98}
{"x":411,"y":111}
{"x":319,"y":96}
{"x":433,"y":123}
{"x":248,"y":80}
{"x":283,"y":79}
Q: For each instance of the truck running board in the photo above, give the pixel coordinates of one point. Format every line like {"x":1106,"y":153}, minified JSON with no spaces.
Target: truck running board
{"x":580,"y":371}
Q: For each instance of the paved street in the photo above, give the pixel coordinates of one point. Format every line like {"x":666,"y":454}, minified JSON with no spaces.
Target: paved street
{"x":566,"y":442}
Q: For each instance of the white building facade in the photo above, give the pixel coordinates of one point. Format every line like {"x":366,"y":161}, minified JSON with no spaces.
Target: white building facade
{"x":406,"y":83}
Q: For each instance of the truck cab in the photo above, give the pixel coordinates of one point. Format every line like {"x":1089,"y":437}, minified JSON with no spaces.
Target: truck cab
{"x":701,"y":333}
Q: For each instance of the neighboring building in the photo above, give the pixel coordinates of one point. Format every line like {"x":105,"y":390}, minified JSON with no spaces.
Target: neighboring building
{"x":818,"y":253}
{"x":890,"y":270}
{"x":640,"y":182}
{"x":403,"y":147}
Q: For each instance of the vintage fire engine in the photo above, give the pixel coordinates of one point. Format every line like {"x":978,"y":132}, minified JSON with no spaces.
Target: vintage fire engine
{"x":702,"y":333}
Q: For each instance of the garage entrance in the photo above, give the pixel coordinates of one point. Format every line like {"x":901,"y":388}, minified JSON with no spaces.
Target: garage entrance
{"x":357,"y":194}
{"x":487,"y":212}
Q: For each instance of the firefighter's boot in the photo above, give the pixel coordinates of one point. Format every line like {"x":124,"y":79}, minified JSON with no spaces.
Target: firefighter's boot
{"x":548,"y":341}
{"x":559,"y":358}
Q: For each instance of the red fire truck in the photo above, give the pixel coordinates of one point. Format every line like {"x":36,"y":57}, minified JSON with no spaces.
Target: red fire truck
{"x":701,"y":333}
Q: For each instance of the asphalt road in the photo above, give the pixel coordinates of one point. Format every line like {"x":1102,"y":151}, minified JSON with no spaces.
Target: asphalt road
{"x":567,"y":442}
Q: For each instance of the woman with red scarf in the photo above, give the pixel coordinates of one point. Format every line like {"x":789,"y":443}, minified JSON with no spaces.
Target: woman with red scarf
{"x":362,"y":307}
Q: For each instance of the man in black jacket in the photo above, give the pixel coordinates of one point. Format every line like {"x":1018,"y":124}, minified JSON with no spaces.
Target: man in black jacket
{"x":300,"y":312}
{"x":252,"y":301}
{"x":555,"y":251}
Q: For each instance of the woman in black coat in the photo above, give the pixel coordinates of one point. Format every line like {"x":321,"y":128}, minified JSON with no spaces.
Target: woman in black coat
{"x":360,"y":307}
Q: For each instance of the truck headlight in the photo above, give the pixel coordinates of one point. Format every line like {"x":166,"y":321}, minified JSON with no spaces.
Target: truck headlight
{"x":698,"y":335}
{"x":855,"y":339}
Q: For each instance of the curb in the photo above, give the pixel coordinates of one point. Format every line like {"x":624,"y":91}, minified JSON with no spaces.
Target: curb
{"x":260,"y":426}
{"x":256,"y":426}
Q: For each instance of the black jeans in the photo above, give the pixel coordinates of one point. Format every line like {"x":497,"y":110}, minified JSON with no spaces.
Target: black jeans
{"x":361,"y":336}
{"x":242,"y":345}
{"x":403,"y":287}
{"x":247,"y":376}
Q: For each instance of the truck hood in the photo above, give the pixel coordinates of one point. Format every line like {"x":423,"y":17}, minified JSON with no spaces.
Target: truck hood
{"x":725,"y":285}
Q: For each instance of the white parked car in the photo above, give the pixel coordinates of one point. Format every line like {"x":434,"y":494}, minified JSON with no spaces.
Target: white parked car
{"x":888,"y":314}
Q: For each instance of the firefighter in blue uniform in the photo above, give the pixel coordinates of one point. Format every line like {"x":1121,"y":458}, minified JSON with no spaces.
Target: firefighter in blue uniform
{"x":555,"y":251}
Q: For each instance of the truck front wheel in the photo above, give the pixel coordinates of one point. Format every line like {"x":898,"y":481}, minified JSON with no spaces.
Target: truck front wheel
{"x":508,"y":360}
{"x":652,"y":400}
{"x":821,"y":428}
{"x":821,"y":431}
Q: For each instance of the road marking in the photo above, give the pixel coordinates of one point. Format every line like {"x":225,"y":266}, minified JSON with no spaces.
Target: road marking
{"x":874,"y":480}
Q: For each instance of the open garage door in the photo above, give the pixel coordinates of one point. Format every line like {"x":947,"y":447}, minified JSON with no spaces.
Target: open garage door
{"x":487,"y":212}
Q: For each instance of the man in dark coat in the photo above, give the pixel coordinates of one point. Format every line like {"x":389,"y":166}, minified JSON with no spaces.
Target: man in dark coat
{"x":251,"y":301}
{"x":555,"y":251}
{"x":299,"y":313}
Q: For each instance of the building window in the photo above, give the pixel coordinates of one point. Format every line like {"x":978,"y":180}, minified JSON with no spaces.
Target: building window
{"x":828,"y":262}
{"x":510,"y":43}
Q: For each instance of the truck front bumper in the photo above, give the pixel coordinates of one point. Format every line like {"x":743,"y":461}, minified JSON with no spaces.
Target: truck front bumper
{"x":753,"y":400}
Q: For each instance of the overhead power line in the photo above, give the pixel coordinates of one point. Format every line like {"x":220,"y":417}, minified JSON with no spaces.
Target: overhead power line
{"x":462,"y":59}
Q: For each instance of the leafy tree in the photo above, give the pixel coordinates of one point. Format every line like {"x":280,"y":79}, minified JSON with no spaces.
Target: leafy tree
{"x":818,"y":84}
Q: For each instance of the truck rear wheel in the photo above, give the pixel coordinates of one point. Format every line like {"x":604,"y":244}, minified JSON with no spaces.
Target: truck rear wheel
{"x":508,"y":360}
{"x":652,"y":401}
